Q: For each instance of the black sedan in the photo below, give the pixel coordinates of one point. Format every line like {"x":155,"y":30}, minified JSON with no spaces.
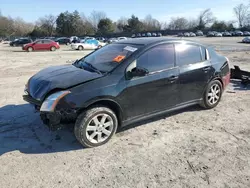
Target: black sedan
{"x":125,"y":82}
{"x":20,"y":42}
{"x":63,"y":40}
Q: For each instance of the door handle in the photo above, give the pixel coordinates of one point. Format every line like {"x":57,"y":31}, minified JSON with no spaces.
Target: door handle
{"x":206,"y":69}
{"x":173,"y":78}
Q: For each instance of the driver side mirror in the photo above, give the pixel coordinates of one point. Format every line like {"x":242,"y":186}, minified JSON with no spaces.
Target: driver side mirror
{"x":137,"y":72}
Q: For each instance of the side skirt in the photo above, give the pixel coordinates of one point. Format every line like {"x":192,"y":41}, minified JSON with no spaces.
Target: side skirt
{"x":158,"y":113}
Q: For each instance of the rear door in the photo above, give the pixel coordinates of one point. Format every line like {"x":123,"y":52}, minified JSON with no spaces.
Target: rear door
{"x":157,"y":90}
{"x":46,"y":44}
{"x":195,"y":71}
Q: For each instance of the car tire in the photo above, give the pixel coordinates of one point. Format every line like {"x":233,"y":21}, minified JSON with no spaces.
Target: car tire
{"x":80,"y":48}
{"x":212,"y":95}
{"x":53,"y":48}
{"x":91,"y":130}
{"x":30,"y":49}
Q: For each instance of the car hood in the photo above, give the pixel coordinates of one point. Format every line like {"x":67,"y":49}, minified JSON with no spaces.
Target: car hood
{"x":58,"y":77}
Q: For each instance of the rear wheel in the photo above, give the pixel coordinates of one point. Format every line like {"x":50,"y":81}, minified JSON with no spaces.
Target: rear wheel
{"x":95,"y":126}
{"x":212,"y":95}
{"x":30,"y":49}
{"x":53,"y":48}
{"x":80,"y":47}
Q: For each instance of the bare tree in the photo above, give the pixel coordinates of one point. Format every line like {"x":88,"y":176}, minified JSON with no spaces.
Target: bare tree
{"x":178,"y":23}
{"x":241,"y":12}
{"x":95,"y":18}
{"x":47,"y":24}
{"x":22,"y":28}
{"x":192,"y":23}
{"x":205,"y":17}
{"x":151,"y":24}
{"x":121,"y":23}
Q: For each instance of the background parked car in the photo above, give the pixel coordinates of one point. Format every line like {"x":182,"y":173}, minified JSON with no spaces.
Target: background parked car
{"x":199,"y":33}
{"x":111,"y":40}
{"x":210,"y":34}
{"x":89,"y":44}
{"x":148,"y":34}
{"x":138,"y":34}
{"x":186,"y":34}
{"x":101,"y":39}
{"x":143,"y":35}
{"x":74,"y":38}
{"x":227,"y":34}
{"x":180,"y":35}
{"x":20,"y":42}
{"x":246,"y":33}
{"x":44,"y":44}
{"x":159,"y":35}
{"x":63,"y":40}
{"x":192,"y":34}
{"x":217,"y":34}
{"x":238,"y":33}
{"x":246,"y":40}
{"x":122,"y":38}
{"x":154,"y":35}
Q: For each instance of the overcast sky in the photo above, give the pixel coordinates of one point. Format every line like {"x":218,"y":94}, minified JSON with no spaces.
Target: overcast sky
{"x":163,"y":10}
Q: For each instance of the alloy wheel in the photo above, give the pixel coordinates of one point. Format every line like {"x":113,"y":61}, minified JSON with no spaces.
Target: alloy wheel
{"x":99,"y":128}
{"x":214,"y":94}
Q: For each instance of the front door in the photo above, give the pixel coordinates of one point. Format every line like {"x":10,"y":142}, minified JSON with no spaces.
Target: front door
{"x":155,"y":91}
{"x":38,"y":45}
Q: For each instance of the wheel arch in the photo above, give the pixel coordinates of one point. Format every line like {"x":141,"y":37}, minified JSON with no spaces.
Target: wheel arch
{"x":107,"y":102}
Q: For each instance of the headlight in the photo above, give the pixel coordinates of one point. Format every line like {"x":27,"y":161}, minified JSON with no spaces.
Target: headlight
{"x":51,"y":101}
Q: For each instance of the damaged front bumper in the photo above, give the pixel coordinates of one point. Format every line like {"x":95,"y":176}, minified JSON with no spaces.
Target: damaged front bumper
{"x":54,"y":120}
{"x":239,"y":74}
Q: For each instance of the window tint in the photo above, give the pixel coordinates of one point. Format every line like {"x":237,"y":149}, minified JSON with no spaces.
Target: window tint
{"x":187,"y":54}
{"x":203,"y":54}
{"x":158,"y":58}
{"x":39,"y":42}
{"x":46,"y":41}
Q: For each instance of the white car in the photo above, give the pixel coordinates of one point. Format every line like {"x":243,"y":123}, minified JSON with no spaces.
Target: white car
{"x":122,"y":38}
{"x":246,"y":40}
{"x":218,"y":34}
{"x":87,"y":45}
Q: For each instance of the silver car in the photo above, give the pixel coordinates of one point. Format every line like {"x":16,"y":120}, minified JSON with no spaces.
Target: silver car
{"x":246,"y":40}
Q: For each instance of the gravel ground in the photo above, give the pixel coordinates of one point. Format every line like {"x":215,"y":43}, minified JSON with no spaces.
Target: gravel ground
{"x":189,"y":148}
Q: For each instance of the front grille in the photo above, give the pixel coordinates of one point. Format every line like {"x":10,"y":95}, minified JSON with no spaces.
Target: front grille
{"x":29,"y":99}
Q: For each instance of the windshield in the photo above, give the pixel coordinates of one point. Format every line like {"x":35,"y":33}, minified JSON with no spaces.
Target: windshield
{"x":108,"y":57}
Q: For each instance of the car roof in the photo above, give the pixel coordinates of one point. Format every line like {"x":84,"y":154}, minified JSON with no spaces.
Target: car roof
{"x":149,"y":41}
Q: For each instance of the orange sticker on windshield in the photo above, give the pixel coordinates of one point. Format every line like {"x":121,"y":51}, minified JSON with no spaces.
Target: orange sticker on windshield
{"x":118,"y":58}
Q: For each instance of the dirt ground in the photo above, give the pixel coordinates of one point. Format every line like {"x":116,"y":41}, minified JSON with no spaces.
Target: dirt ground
{"x":189,"y":148}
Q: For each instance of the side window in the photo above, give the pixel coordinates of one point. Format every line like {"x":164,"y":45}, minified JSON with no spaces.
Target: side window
{"x":39,"y":42}
{"x":46,"y":42}
{"x":203,"y":54}
{"x":187,"y":54}
{"x":157,"y":58}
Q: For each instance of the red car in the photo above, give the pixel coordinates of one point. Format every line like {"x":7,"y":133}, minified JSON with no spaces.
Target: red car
{"x":43,"y":44}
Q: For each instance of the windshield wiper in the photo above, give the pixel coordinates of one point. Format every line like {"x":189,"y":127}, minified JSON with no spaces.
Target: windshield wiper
{"x":93,"y":68}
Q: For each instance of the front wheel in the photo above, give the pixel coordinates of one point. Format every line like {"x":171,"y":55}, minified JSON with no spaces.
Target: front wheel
{"x":30,"y":49}
{"x":212,"y":95}
{"x":95,"y":126}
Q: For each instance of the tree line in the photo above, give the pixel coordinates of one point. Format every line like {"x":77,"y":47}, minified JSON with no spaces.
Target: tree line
{"x":97,"y":23}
